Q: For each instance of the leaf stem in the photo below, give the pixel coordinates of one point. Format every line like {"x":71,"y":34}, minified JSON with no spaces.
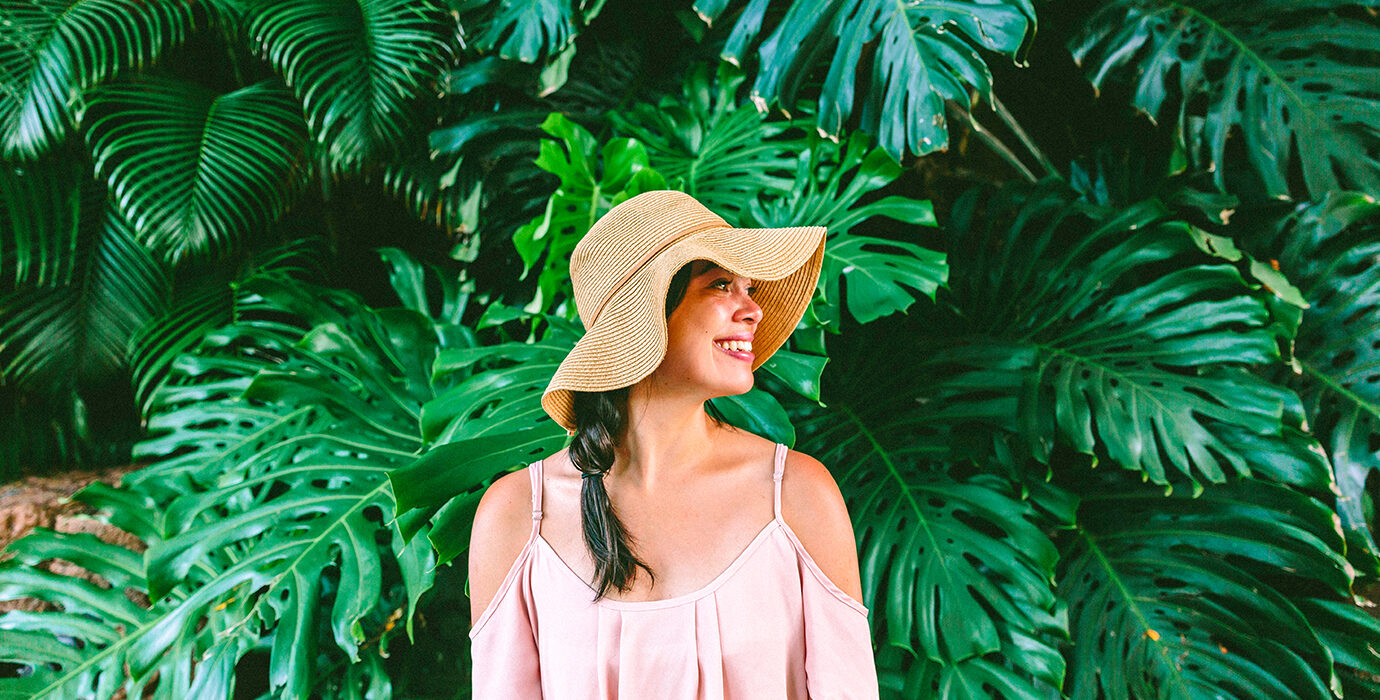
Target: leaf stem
{"x":991,"y":140}
{"x":1010,"y":121}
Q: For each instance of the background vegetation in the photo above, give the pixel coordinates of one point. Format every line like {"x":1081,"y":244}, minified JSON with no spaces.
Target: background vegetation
{"x":1094,"y":355}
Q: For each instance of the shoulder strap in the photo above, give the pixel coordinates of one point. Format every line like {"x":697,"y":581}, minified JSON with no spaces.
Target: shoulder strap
{"x":534,"y":471}
{"x":776,"y":477}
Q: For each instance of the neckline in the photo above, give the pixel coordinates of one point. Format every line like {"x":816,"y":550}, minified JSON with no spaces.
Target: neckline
{"x":682,"y":599}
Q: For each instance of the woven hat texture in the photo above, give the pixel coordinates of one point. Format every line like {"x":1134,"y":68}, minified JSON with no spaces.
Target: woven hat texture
{"x":622,"y":269}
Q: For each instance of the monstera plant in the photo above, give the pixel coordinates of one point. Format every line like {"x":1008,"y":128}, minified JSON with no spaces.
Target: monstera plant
{"x":1106,"y":433}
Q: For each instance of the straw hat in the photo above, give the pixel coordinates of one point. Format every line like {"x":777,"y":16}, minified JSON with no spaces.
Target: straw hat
{"x":622,"y":268}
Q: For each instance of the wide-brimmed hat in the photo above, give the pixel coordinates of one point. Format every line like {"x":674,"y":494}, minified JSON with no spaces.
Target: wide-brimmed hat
{"x":622,"y":268}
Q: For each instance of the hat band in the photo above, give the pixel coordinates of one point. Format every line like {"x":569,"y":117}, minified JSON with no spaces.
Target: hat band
{"x":669,"y":241}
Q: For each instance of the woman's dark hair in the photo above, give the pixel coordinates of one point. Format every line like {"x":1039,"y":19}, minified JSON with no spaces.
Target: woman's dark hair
{"x":599,"y":418}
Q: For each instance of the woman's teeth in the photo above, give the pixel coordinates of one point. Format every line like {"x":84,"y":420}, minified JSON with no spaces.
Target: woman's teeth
{"x":735,"y":345}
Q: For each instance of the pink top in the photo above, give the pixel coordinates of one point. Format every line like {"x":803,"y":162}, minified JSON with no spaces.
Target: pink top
{"x":772,"y":625}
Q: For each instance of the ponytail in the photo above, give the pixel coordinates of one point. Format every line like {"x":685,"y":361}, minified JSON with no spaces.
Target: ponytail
{"x":600,"y":417}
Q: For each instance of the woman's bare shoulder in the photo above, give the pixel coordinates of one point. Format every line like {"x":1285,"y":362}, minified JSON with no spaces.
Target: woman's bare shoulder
{"x":812,"y":505}
{"x":502,"y":525}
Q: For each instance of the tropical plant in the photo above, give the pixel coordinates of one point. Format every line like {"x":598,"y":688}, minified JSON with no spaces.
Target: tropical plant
{"x":1290,"y":77}
{"x":193,"y":172}
{"x":1105,"y":433}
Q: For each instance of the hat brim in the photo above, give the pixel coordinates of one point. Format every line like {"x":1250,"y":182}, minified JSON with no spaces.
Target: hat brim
{"x":628,"y":340}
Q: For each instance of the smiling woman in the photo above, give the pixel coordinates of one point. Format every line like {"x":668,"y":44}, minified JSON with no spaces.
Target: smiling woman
{"x":679,"y":308}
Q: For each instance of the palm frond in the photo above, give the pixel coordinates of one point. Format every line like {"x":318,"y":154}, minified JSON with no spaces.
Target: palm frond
{"x":196,"y":171}
{"x":52,"y":50}
{"x":356,"y":67}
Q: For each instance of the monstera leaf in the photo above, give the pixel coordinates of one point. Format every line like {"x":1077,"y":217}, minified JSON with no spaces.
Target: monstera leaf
{"x":1295,"y":81}
{"x":956,"y":568}
{"x":925,"y":52}
{"x":355,"y":66}
{"x":78,"y":647}
{"x":1329,"y":249}
{"x":51,"y":50}
{"x":272,"y":499}
{"x":830,"y":181}
{"x":292,"y":491}
{"x":1185,"y":597}
{"x":1132,"y":339}
{"x":970,"y":679}
{"x":593,"y":180}
{"x":530,"y":30}
{"x":196,"y":172}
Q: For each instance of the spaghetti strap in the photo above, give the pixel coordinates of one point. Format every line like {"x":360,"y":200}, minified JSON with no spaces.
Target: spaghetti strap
{"x":776,"y":478}
{"x":534,"y":472}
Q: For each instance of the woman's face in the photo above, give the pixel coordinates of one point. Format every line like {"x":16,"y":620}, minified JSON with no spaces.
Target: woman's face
{"x":701,"y":355}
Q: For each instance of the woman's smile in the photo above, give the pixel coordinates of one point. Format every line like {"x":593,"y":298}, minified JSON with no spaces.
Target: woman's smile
{"x":741,"y":355}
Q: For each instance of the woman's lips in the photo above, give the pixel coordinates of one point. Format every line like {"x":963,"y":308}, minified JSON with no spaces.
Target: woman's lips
{"x":745,"y":355}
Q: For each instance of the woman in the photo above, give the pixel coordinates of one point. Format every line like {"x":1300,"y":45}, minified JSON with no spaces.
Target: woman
{"x":635,"y":564}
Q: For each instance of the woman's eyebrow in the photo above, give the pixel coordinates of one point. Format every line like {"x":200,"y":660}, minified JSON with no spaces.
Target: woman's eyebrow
{"x":715,"y":270}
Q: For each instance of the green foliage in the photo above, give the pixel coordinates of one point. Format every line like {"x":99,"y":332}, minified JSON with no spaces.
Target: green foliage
{"x":1328,"y":249}
{"x":529,"y":30}
{"x":590,"y":186}
{"x":51,"y":50}
{"x":1296,"y":83}
{"x":354,"y":66}
{"x":1122,"y":343}
{"x":234,"y":160}
{"x":926,"y":52}
{"x":711,"y":146}
{"x":187,"y":187}
{"x":1180,"y":597}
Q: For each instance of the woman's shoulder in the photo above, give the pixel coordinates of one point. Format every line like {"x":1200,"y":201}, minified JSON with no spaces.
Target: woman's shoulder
{"x":812,"y":506}
{"x":502,"y":526}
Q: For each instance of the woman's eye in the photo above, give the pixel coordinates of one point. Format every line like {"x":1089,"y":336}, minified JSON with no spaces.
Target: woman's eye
{"x":726,"y":282}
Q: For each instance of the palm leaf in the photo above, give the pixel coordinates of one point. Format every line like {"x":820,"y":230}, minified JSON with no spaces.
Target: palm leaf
{"x":195,"y":171}
{"x":711,"y":147}
{"x":203,"y":300}
{"x":1183,"y":597}
{"x":355,"y":66}
{"x":52,"y":50}
{"x":84,"y":284}
{"x":926,"y":52}
{"x":1298,"y":84}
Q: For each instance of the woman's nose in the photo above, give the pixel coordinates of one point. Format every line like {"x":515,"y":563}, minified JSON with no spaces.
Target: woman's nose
{"x":749,"y":308}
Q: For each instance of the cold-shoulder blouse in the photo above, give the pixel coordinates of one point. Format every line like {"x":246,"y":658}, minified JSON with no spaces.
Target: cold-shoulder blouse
{"x":771,"y":626}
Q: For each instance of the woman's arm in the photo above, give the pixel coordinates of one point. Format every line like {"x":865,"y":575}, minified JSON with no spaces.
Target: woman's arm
{"x":839,"y":660}
{"x":503,"y":646}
